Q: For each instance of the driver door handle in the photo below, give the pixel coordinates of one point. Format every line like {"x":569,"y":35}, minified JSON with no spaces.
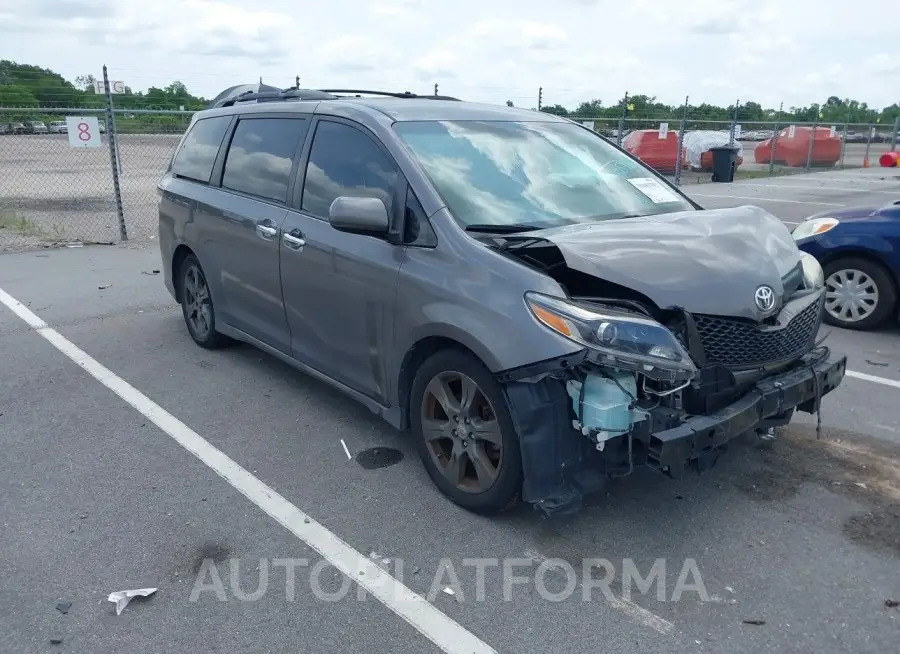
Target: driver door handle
{"x":265,"y":231}
{"x":294,"y":240}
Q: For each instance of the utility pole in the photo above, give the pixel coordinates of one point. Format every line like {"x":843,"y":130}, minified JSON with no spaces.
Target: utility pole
{"x":734,"y":119}
{"x":435,"y":89}
{"x":622,"y":120}
{"x":540,"y":97}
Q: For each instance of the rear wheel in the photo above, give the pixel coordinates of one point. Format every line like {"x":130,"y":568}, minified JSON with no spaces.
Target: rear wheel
{"x":197,"y":306}
{"x":464,"y":432}
{"x":859,"y":294}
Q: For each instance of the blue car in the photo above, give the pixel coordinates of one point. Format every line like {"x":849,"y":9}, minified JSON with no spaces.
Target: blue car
{"x":859,"y":249}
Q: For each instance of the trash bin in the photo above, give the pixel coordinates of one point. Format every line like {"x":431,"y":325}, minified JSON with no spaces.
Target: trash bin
{"x":724,"y":160}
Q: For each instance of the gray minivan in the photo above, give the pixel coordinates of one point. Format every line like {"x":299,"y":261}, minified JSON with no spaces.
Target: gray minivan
{"x":536,"y":306}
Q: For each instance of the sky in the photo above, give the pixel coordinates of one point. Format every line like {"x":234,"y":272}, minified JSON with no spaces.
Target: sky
{"x":716,"y":51}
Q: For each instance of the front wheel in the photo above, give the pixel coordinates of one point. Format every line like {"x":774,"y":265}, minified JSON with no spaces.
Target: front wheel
{"x":859,"y":294}
{"x":464,"y":433}
{"x":197,"y":306}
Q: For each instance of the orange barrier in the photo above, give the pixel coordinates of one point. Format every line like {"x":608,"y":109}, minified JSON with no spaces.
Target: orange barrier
{"x":792,"y":150}
{"x":889,"y":159}
{"x":659,"y":154}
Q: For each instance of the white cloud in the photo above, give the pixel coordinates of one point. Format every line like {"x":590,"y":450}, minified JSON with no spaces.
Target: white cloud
{"x":766,"y":51}
{"x":883,"y":63}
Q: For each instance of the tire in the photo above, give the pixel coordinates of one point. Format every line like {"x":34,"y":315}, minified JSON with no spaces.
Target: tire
{"x":882,"y":294}
{"x":197,"y":306}
{"x":487,"y":494}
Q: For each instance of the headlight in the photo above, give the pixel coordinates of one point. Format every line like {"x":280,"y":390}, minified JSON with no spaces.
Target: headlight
{"x":813,"y":275}
{"x":620,"y":339}
{"x":814,"y":227}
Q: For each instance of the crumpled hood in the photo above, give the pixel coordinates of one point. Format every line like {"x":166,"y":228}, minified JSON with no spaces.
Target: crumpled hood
{"x":710,"y":261}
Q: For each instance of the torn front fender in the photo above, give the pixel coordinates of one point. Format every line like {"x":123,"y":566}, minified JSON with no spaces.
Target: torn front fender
{"x":559,"y":465}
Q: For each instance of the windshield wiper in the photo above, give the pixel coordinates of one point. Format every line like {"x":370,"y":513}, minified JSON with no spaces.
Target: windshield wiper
{"x":513,"y":228}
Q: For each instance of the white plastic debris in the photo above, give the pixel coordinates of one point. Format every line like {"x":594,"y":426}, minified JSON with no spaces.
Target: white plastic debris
{"x":700,"y":141}
{"x":449,"y":591}
{"x":121,"y":598}
{"x":379,"y":559}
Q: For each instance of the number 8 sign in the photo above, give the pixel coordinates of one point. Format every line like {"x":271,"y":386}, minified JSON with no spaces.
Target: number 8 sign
{"x":84,"y":131}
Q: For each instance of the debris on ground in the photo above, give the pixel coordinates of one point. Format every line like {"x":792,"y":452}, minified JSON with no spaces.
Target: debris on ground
{"x":121,"y":598}
{"x":876,"y":363}
{"x":379,"y":559}
{"x":104,"y":287}
{"x":56,"y":640}
{"x":156,"y":272}
{"x":448,"y":591}
{"x":891,"y":603}
{"x":63,"y":607}
{"x":755,"y":621}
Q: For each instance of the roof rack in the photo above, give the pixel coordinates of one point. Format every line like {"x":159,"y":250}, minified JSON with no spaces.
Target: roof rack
{"x":264,"y":93}
{"x":273,"y":96}
{"x":389,"y":94}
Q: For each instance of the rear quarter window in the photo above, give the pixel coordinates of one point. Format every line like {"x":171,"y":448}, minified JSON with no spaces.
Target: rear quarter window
{"x":197,"y":155}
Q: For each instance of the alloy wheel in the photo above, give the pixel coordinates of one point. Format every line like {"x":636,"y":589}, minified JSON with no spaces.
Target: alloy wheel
{"x":197,"y":302}
{"x":461,"y":432}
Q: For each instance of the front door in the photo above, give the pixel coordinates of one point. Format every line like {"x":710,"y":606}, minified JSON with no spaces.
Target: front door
{"x":340,"y":289}
{"x":251,"y":207}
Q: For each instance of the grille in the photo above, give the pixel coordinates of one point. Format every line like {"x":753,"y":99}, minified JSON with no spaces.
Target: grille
{"x":737,"y":343}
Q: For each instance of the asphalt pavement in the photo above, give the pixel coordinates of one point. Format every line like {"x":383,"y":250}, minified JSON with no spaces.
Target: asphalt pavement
{"x":134,"y":459}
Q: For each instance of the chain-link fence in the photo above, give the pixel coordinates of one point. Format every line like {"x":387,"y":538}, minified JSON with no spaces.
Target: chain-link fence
{"x":52,"y":192}
{"x":680,"y":148}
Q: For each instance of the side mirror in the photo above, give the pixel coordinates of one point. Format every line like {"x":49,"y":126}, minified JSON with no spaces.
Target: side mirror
{"x":359,"y":215}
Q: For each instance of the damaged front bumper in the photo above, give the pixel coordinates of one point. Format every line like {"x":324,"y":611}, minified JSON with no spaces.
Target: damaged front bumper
{"x":561,"y":465}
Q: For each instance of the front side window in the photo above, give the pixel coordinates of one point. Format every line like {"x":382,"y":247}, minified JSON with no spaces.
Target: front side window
{"x":345,"y":161}
{"x":543,"y":174}
{"x":261,"y":154}
{"x":198,"y":153}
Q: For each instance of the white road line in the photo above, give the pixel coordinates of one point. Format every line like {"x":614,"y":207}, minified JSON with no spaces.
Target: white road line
{"x":641,"y":615}
{"x":439,"y":628}
{"x":818,"y":178}
{"x":821,"y":188}
{"x":346,"y":451}
{"x":884,"y":381}
{"x":634,"y":611}
{"x":759,"y":199}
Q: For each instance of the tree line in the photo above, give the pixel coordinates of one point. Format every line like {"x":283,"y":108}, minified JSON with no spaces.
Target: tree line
{"x":32,"y":87}
{"x":645,"y":107}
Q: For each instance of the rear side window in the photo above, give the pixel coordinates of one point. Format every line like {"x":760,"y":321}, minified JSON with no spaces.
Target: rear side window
{"x":198,"y":153}
{"x":261,"y":155}
{"x":345,"y":161}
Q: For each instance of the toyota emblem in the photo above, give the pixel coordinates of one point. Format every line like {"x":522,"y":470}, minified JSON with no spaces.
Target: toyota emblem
{"x":765,"y":298}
